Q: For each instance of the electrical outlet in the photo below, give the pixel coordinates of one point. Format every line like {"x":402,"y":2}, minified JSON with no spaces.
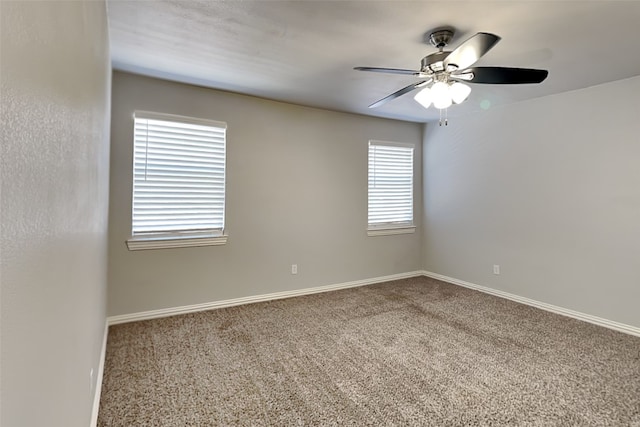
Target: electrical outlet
{"x":294,"y":268}
{"x":496,"y":269}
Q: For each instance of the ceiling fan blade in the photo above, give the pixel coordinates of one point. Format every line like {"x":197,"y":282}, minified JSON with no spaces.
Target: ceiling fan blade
{"x":389,"y":70}
{"x":471,"y":50}
{"x":505,"y":75}
{"x":399,"y":93}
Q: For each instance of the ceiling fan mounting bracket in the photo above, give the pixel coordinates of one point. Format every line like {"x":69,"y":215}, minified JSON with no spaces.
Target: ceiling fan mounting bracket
{"x":441,"y":38}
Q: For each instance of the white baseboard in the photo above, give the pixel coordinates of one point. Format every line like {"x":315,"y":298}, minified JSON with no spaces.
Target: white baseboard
{"x":98,"y":390}
{"x":154,"y":314}
{"x":165,"y":312}
{"x":620,"y":327}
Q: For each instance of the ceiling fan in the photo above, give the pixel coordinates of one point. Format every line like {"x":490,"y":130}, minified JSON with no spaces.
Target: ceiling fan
{"x":448,"y":69}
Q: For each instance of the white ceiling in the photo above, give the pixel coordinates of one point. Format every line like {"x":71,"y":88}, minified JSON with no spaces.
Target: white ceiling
{"x":304,"y":52}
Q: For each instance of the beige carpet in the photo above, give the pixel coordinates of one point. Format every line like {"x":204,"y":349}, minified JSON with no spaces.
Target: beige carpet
{"x":411,"y":352}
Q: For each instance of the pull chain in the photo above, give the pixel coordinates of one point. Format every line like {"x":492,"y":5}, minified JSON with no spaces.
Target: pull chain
{"x":446,"y":117}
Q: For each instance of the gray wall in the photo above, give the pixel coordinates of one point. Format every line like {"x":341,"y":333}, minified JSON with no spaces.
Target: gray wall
{"x":548,"y":189}
{"x":54,"y":83}
{"x":296,"y":193}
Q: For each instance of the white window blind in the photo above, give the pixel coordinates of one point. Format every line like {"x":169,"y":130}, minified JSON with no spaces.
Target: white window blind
{"x":179,"y":175}
{"x":390,"y":184}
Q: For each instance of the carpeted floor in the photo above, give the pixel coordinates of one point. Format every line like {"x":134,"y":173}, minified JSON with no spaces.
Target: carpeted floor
{"x":411,"y":352}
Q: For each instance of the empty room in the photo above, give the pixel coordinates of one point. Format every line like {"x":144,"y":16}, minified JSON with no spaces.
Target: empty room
{"x":275,"y":213}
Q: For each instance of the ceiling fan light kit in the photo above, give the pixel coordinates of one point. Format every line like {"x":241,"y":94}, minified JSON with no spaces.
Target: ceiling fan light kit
{"x":443,"y":94}
{"x":446,"y":70}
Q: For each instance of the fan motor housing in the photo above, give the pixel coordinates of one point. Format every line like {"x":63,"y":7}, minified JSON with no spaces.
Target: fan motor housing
{"x":433,"y":63}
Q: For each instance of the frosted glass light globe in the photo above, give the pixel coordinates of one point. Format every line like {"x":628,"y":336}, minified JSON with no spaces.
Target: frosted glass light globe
{"x":424,"y":97}
{"x":441,"y":95}
{"x":459,"y":92}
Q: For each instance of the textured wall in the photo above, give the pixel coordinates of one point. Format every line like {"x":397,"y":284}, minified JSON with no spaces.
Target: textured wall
{"x":296,"y":193}
{"x":55,"y":78}
{"x":548,"y":189}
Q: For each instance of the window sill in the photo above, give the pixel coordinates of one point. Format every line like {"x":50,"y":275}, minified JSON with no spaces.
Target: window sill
{"x":166,"y":242}
{"x":387,"y":231}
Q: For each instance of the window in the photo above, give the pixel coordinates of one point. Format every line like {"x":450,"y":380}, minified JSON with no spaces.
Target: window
{"x":390,"y":188}
{"x":178,"y":182}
